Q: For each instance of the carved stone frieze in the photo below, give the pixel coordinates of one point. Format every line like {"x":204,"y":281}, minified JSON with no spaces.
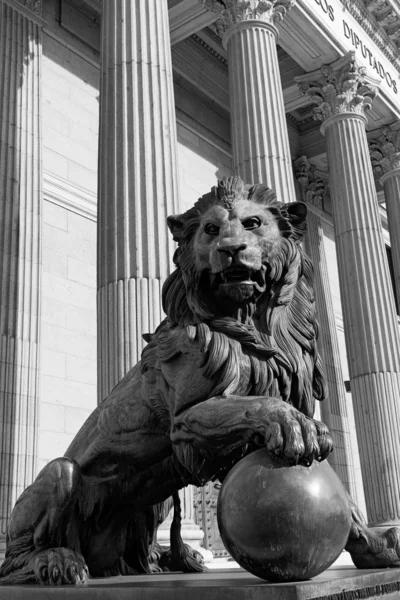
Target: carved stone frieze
{"x":313,"y":186}
{"x":386,"y":17}
{"x":234,"y":11}
{"x":385,"y":151}
{"x":34,"y":5}
{"x":363,"y":12}
{"x":341,"y":87}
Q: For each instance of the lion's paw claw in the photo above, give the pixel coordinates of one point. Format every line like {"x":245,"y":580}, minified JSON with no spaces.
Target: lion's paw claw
{"x":57,"y":566}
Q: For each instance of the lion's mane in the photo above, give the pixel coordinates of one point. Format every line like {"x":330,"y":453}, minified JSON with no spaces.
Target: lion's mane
{"x":278,"y":343}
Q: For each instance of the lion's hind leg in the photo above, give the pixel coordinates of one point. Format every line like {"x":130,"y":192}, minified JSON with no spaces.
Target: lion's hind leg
{"x":41,"y":546}
{"x":180,"y":556}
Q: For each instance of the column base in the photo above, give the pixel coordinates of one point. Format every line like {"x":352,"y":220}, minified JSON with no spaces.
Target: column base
{"x":385,"y":525}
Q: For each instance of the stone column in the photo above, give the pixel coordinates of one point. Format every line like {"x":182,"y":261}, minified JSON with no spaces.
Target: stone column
{"x":138,"y":189}
{"x":137,"y":180}
{"x":342,"y":93}
{"x":260,"y":142}
{"x":20,"y":223}
{"x":334,"y":409}
{"x":385,"y":156}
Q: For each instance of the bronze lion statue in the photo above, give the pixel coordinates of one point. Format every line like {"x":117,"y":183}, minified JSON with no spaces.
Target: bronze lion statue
{"x":234,"y":365}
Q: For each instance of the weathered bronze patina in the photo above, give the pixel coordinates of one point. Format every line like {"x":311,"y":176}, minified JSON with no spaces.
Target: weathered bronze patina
{"x":233,"y":366}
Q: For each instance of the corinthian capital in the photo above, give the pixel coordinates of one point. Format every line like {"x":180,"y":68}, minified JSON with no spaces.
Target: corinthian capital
{"x":313,"y":186}
{"x":34,"y":6}
{"x":234,"y":11}
{"x":341,"y":87}
{"x":385,"y":150}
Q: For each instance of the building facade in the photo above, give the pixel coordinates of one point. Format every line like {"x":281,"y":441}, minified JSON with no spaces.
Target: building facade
{"x":115,"y":115}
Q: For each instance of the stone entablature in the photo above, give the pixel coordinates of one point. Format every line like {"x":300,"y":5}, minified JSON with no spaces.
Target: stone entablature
{"x":386,"y":16}
{"x":374,"y":19}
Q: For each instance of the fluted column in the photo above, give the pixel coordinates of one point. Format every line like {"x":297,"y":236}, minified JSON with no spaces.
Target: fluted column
{"x":137,"y":180}
{"x":260,"y":142}
{"x":334,"y":409}
{"x":20,"y":222}
{"x":342,"y":93}
{"x":385,"y":155}
{"x":137,"y":189}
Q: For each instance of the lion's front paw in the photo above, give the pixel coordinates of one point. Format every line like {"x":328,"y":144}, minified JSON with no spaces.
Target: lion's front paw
{"x":297,"y":438}
{"x":58,"y":566}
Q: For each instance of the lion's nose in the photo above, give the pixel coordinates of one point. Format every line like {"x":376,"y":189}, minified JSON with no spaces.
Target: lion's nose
{"x":232,"y":249}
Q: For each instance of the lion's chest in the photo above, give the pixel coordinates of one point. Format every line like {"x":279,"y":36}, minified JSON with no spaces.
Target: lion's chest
{"x":204,"y":368}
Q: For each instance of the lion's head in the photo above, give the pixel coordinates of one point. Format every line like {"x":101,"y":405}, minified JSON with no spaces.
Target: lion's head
{"x":239,"y":261}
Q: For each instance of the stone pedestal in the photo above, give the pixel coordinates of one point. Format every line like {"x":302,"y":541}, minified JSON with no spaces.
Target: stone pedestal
{"x":232,"y":584}
{"x":333,"y":410}
{"x":137,"y":180}
{"x":372,"y":335}
{"x":260,"y":143}
{"x":20,"y":222}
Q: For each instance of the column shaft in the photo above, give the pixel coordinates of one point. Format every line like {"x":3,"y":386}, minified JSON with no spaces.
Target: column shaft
{"x":20,"y":222}
{"x":391,"y":186}
{"x":334,"y":409}
{"x":137,"y":180}
{"x":137,"y":190}
{"x":260,"y":141}
{"x":371,"y":329}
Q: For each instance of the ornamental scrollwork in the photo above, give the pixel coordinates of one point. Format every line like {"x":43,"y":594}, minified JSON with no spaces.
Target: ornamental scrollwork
{"x":339,"y":88}
{"x":313,"y":186}
{"x":234,"y":11}
{"x":385,"y":151}
{"x":33,"y":5}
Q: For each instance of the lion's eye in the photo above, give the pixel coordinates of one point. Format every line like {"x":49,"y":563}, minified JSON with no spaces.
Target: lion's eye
{"x":211,"y":229}
{"x":251,"y":223}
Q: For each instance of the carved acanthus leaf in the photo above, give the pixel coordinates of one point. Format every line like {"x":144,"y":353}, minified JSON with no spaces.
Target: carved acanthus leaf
{"x":385,"y":151}
{"x":234,"y":11}
{"x":313,"y":186}
{"x":339,"y":88}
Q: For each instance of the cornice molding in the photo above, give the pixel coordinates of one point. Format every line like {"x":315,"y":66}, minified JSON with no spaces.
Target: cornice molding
{"x":387,"y":16}
{"x":210,"y":76}
{"x":209,"y":49}
{"x":365,"y":18}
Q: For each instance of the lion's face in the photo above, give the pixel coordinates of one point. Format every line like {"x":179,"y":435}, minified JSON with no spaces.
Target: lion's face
{"x":233,"y":247}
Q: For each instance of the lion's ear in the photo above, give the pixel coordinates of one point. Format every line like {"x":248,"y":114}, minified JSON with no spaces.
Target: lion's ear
{"x":297,"y":216}
{"x":175,"y":224}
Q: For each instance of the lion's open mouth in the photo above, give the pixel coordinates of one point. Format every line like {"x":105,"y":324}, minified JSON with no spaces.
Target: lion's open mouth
{"x":239,"y":275}
{"x":239,"y":282}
